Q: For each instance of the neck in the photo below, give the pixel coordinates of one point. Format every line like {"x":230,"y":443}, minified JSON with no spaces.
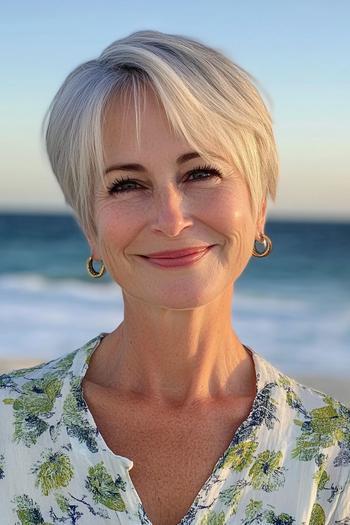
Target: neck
{"x":175,"y":357}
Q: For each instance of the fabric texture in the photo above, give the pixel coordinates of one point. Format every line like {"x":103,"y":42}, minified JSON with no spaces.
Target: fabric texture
{"x":288,"y":462}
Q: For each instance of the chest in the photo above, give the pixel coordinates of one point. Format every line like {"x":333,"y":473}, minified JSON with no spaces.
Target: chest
{"x":173,"y":455}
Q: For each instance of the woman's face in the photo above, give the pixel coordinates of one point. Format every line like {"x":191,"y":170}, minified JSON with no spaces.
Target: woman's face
{"x":172,"y":201}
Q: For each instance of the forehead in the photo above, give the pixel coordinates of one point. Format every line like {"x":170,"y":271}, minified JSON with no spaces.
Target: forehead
{"x":139,"y":127}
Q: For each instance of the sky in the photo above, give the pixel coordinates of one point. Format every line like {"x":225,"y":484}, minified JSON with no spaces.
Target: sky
{"x":297,"y":51}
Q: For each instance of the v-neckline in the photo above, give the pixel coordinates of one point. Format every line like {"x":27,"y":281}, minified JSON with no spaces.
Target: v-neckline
{"x":81,"y":371}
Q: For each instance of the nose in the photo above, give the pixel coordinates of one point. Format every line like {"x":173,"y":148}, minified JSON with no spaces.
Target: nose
{"x":170,"y":216}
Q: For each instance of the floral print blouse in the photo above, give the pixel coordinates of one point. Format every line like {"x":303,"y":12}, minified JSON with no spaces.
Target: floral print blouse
{"x":288,"y":462}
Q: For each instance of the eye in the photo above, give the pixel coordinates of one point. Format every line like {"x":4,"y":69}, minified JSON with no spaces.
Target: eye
{"x":204,"y":172}
{"x":123,"y":185}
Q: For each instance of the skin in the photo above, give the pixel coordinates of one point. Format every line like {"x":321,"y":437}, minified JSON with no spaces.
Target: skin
{"x":176,"y":347}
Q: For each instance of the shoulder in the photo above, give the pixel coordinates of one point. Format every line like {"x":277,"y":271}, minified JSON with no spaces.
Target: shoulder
{"x":322,"y":439}
{"x":316,"y":420}
{"x":323,"y":421}
{"x":295,"y":395}
{"x":311,"y":403}
{"x":28,"y":410}
{"x":32,"y":399}
{"x":28,"y":400}
{"x":48,"y":376}
{"x":19,"y":381}
{"x":317,"y":424}
{"x":311,"y":429}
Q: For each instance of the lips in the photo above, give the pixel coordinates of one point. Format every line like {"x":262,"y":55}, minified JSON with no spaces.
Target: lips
{"x":177,"y":253}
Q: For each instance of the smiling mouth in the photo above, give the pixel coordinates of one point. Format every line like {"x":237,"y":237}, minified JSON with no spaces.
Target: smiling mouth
{"x":182,"y":260}
{"x":174,"y":254}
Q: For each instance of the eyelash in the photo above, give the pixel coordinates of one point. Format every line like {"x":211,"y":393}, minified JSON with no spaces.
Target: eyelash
{"x":118,"y":185}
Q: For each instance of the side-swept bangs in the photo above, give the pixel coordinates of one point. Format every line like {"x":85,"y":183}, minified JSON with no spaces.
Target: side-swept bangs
{"x":209,"y":101}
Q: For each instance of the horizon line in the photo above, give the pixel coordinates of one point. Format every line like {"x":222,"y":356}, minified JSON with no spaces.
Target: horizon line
{"x":287,"y":216}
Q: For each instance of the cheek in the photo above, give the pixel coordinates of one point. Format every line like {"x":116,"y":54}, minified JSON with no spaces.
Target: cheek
{"x":231,"y":216}
{"x":114,"y":228}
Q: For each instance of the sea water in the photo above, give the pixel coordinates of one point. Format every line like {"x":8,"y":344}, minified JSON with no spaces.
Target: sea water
{"x":293,"y":307}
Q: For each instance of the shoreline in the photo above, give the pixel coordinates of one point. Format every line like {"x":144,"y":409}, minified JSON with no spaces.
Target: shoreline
{"x":335,"y":386}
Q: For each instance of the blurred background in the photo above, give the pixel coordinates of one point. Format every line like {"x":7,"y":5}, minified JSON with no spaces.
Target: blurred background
{"x":292,"y":307}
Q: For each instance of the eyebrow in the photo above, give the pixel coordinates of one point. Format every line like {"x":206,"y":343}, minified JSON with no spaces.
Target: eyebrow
{"x":138,"y":167}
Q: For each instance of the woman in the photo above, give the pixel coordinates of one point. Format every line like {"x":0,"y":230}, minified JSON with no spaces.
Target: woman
{"x":164,"y":150}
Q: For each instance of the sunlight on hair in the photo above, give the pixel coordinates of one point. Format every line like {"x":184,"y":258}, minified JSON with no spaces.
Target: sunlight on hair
{"x":209,"y":101}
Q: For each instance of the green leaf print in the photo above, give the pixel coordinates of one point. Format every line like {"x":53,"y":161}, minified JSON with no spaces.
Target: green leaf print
{"x":263,"y":412}
{"x":62,"y":502}
{"x":255,"y":514}
{"x":36,"y":397}
{"x":232,"y":496}
{"x":63,"y":364}
{"x":266,"y":473}
{"x":33,"y":406}
{"x":28,"y":512}
{"x":54,"y":472}
{"x":253,"y":510}
{"x":70,"y":510}
{"x":28,"y":428}
{"x":213,"y":518}
{"x":321,"y":477}
{"x":317,"y":515}
{"x":103,"y":489}
{"x":73,"y":417}
{"x":6,"y":381}
{"x":8,"y":401}
{"x":325,"y":422}
{"x":57,"y":367}
{"x":281,"y":519}
{"x":324,"y":427}
{"x":293,"y":400}
{"x":241,"y":455}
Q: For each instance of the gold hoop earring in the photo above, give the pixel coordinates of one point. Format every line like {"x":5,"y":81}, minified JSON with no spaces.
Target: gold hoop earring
{"x":267,"y":244}
{"x":91,"y":270}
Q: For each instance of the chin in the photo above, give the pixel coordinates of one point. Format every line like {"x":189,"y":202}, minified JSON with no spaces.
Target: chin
{"x":176,"y":298}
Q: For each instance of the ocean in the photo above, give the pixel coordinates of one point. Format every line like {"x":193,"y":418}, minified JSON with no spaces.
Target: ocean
{"x":292,"y":307}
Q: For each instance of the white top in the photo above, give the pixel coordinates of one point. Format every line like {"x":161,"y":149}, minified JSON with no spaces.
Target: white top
{"x":288,"y":462}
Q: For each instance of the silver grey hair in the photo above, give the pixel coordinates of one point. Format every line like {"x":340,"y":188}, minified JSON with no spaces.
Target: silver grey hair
{"x":210,"y":101}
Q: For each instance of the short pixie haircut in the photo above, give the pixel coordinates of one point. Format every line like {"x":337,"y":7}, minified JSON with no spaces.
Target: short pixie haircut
{"x":208,"y":100}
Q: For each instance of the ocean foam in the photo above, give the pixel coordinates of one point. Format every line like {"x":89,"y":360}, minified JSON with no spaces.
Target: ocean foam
{"x":300,"y":333}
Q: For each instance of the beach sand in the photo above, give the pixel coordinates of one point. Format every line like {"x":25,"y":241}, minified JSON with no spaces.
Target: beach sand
{"x":337,"y":387}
